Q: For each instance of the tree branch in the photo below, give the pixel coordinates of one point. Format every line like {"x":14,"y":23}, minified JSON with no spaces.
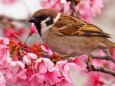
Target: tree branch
{"x":25,"y":49}
{"x":108,"y":58}
{"x":101,"y":69}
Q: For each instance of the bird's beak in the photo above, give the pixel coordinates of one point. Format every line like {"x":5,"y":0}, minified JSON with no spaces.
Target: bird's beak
{"x":31,"y":20}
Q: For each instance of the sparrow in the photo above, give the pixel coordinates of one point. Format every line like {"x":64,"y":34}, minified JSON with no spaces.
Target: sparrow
{"x":68,"y":35}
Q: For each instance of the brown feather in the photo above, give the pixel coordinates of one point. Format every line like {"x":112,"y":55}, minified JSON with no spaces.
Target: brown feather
{"x":47,"y":12}
{"x":72,"y":26}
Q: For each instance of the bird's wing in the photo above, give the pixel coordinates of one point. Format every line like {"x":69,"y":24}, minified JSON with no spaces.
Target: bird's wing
{"x":85,"y":29}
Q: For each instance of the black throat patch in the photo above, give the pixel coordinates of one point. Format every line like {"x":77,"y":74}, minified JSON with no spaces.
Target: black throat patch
{"x":38,"y":21}
{"x":38,"y":26}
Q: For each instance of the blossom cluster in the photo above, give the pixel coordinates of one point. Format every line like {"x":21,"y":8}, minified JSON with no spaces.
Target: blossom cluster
{"x":30,"y":69}
{"x":9,"y":28}
{"x":33,"y":66}
{"x":85,"y":9}
{"x":37,"y":65}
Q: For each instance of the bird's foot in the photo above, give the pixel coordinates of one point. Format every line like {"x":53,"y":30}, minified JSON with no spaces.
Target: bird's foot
{"x":89,"y":63}
{"x":89,"y":66}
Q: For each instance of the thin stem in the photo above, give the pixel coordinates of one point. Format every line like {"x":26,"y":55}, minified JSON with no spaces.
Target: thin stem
{"x":27,"y":38}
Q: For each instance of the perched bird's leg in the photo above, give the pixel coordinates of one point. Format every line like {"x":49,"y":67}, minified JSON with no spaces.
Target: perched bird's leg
{"x":89,"y":62}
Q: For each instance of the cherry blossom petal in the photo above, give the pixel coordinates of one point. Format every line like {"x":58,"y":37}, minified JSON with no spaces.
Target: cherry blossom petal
{"x":52,"y":77}
{"x":32,"y":55}
{"x":26,"y":60}
{"x":4,"y":40}
{"x":81,"y":61}
{"x":4,"y":53}
{"x":17,"y":63}
{"x":13,"y":63}
{"x":21,"y":64}
{"x":42,"y":68}
{"x":9,"y":59}
{"x":48,"y":63}
{"x":33,"y":29}
{"x":2,"y":80}
{"x":46,"y":49}
{"x":22,"y":74}
{"x":64,"y":68}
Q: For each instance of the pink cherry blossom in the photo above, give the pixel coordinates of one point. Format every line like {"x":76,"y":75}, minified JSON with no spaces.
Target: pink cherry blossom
{"x":64,"y":68}
{"x":86,"y":8}
{"x":66,"y":8}
{"x":4,"y":40}
{"x":32,"y":29}
{"x":55,"y":74}
{"x":51,"y":4}
{"x":46,"y":49}
{"x":64,"y":82}
{"x":37,"y":79}
{"x":96,"y":79}
{"x":57,"y":5}
{"x":10,"y":73}
{"x":22,"y":74}
{"x":81,"y":61}
{"x":85,"y":11}
{"x":9,"y":32}
{"x":2,"y":80}
{"x":28,"y":57}
{"x":17,"y":64}
{"x":21,"y":31}
{"x":96,"y":5}
{"x":4,"y":53}
{"x":44,"y":64}
{"x":47,"y":71}
{"x":8,"y":1}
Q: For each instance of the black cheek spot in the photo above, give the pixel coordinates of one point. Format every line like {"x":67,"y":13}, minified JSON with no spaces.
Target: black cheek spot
{"x":49,"y":22}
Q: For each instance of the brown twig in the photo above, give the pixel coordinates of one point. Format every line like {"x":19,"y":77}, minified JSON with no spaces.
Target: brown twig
{"x":108,"y":58}
{"x":26,"y":49}
{"x":73,"y":10}
{"x":103,"y":70}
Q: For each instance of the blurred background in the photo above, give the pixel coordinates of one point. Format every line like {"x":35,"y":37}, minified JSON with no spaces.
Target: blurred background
{"x":106,"y":20}
{"x":19,"y":11}
{"x":14,"y":15}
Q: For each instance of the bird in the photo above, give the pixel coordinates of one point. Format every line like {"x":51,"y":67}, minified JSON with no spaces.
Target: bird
{"x":68,"y":35}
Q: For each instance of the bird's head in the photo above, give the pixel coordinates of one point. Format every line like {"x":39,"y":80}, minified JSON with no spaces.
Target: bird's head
{"x":44,"y":19}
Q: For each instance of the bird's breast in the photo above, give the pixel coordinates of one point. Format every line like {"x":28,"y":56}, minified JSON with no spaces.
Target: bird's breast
{"x":67,"y":44}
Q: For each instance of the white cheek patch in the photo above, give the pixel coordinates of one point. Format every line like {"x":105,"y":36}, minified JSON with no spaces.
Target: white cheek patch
{"x":44,"y":26}
{"x":57,"y":17}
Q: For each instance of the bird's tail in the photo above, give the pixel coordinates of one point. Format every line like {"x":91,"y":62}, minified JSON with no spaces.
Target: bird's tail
{"x":109,"y":43}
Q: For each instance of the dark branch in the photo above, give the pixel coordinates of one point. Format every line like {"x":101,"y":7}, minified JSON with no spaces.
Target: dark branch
{"x":108,"y":58}
{"x":25,"y":49}
{"x":103,"y":70}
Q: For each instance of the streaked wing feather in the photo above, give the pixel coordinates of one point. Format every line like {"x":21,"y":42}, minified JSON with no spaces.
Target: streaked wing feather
{"x":85,"y":30}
